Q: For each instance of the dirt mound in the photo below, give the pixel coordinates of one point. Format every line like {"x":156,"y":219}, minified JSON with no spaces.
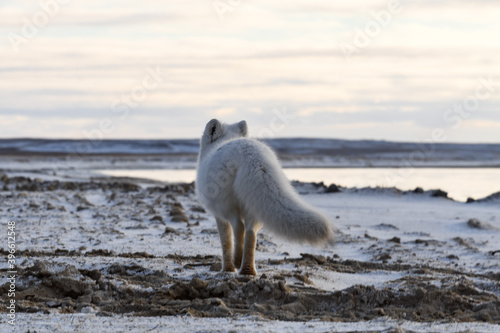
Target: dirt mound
{"x":461,"y":302}
{"x":135,"y":290}
{"x":62,"y":277}
{"x":112,"y":184}
{"x":491,"y":198}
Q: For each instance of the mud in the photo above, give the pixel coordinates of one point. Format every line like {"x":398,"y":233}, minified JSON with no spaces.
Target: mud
{"x":53,"y":279}
{"x":136,"y":290}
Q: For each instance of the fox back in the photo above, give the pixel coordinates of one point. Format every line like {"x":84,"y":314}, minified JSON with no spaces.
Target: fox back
{"x":240,"y":177}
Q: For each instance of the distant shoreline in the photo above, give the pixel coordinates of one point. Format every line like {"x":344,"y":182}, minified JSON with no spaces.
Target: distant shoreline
{"x":168,"y":161}
{"x":293,"y":152}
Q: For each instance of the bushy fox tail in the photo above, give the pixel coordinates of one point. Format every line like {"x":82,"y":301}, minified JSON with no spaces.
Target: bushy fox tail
{"x":269,"y":198}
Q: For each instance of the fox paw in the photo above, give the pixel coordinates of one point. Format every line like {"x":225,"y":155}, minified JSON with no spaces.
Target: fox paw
{"x":229,"y":268}
{"x":248,"y":271}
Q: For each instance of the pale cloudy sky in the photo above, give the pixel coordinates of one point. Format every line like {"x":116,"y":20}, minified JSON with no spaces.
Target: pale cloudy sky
{"x":362,"y":69}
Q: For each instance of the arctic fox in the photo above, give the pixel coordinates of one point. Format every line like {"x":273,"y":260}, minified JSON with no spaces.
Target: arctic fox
{"x":240,"y":181}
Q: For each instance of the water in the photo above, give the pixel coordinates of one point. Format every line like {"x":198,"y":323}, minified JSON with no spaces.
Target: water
{"x":460,"y":183}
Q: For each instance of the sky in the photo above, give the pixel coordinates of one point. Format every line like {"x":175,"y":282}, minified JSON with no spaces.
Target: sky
{"x":386,"y":70}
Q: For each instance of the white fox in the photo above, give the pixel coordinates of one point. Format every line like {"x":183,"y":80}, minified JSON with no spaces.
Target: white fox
{"x":240,"y":181}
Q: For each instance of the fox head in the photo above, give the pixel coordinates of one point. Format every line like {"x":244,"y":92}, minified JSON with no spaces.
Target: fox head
{"x":217,"y":132}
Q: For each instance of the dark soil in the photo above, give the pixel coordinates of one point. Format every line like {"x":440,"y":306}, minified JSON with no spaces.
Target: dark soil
{"x":146,"y":292}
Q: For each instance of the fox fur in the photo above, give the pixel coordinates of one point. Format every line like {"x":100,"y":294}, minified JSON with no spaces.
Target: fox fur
{"x":240,"y":181}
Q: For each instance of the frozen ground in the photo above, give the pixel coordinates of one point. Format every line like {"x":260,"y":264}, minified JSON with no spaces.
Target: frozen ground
{"x":115,"y":254}
{"x":293,"y":152}
{"x":185,"y":324}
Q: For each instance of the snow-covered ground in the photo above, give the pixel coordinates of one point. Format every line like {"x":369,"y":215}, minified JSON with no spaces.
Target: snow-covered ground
{"x":116,"y":255}
{"x":185,"y":324}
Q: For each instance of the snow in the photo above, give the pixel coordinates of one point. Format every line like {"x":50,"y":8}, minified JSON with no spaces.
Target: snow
{"x":431,"y":231}
{"x":359,"y":214}
{"x":332,"y":281}
{"x":181,"y":324}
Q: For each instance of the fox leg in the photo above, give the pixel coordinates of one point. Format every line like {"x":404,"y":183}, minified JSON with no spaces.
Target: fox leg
{"x":248,"y":264}
{"x":239,"y":238}
{"x":226,"y":240}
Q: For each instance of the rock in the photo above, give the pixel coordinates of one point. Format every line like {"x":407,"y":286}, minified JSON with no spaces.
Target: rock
{"x":383,"y":256}
{"x":157,"y":218}
{"x":418,"y":190}
{"x":180,"y":218}
{"x":320,"y":259}
{"x":216,"y":267}
{"x":395,"y":240}
{"x":209,"y":231}
{"x":476,"y":224}
{"x":93,"y":274}
{"x":492,"y":197}
{"x":332,"y":189}
{"x":198,"y":209}
{"x":178,"y":215}
{"x":33,"y":205}
{"x":198,"y":283}
{"x":463,"y":242}
{"x":176,"y":211}
{"x":426,"y":241}
{"x":169,"y":230}
{"x":302,"y":277}
{"x":439,"y":194}
{"x":183,"y":291}
{"x":383,"y":226}
{"x":86,"y":308}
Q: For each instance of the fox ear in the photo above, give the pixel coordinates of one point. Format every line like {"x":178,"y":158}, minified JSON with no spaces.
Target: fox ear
{"x":242,"y":125}
{"x":213,"y":130}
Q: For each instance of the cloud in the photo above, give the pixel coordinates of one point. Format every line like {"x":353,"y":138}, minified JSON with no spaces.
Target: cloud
{"x":224,"y":112}
{"x":263,"y":55}
{"x":478,"y":123}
